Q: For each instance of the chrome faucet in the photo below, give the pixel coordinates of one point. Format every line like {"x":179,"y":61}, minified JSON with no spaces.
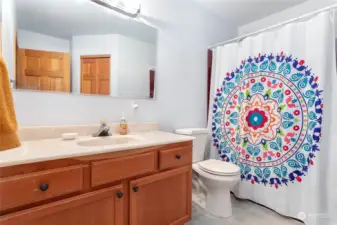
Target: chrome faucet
{"x":103,"y":131}
{"x":13,"y":83}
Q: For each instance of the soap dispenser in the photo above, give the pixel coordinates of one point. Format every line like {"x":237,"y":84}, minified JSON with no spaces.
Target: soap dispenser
{"x":123,"y":126}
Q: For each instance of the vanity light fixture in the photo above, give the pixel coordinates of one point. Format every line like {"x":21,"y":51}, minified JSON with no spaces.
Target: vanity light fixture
{"x":118,"y":6}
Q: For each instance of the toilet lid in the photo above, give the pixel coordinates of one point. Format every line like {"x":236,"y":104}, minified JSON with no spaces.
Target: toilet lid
{"x":218,"y":167}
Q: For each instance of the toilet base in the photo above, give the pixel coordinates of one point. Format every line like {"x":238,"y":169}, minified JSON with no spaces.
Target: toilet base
{"x":217,"y":190}
{"x":218,"y":203}
{"x":199,"y":199}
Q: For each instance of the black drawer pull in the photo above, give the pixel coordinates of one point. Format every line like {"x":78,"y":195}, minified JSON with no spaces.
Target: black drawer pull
{"x":178,"y":156}
{"x":44,"y":187}
{"x":120,"y":194}
{"x":136,"y":189}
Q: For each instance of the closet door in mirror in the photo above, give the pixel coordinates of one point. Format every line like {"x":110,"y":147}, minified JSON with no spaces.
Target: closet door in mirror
{"x":95,"y":74}
{"x":43,"y":70}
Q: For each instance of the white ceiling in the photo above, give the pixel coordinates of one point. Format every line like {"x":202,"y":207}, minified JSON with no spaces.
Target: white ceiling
{"x":67,"y":18}
{"x":241,"y":12}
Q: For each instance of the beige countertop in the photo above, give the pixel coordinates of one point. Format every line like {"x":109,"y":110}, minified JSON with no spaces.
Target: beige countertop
{"x":52,"y":149}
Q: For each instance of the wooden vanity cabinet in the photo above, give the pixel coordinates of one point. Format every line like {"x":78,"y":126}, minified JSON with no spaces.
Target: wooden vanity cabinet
{"x":148,"y":186}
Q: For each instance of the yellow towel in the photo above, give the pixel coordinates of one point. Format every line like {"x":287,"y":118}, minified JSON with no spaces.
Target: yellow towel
{"x":8,"y":124}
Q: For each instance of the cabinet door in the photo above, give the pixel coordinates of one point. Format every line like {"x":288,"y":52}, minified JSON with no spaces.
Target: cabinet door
{"x":104,"y":207}
{"x":103,"y":76}
{"x":29,"y":69}
{"x":56,"y":70}
{"x":88,"y":76}
{"x":162,"y":199}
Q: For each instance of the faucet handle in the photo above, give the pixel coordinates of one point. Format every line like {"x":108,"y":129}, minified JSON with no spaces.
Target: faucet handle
{"x":103,"y":123}
{"x":103,"y":131}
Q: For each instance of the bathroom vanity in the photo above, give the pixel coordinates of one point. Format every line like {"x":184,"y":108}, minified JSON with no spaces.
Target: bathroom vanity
{"x":58,"y":182}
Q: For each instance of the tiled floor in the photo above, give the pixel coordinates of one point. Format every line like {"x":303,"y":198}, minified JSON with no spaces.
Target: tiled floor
{"x":244,"y":213}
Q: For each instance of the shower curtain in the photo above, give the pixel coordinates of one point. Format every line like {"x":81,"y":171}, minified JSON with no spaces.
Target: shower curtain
{"x":273,"y":115}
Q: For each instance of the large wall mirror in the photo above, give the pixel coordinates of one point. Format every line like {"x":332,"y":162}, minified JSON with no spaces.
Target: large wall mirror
{"x":77,"y":46}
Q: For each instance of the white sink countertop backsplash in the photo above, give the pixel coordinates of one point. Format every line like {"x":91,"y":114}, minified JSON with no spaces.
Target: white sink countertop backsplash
{"x":38,"y":149}
{"x":39,"y":133}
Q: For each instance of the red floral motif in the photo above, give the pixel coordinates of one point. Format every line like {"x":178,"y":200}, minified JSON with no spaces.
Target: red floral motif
{"x":296,"y":128}
{"x":287,"y":92}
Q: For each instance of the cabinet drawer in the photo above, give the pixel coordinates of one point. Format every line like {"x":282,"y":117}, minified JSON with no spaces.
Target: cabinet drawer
{"x":35,"y":187}
{"x":108,"y":171}
{"x":175,"y":157}
{"x":103,"y":207}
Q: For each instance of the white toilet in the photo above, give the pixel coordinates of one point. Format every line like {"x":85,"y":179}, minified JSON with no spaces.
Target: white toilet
{"x":214,"y":177}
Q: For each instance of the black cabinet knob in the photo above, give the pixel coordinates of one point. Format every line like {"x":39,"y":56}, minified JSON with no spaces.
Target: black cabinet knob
{"x":178,"y":156}
{"x":120,"y":194}
{"x":44,"y":187}
{"x":136,"y":189}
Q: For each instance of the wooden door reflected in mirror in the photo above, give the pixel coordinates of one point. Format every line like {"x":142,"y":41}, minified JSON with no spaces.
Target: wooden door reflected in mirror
{"x":95,"y":74}
{"x":43,"y":70}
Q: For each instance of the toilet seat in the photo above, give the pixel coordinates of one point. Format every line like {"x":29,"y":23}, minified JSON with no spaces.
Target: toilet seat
{"x":219,"y":168}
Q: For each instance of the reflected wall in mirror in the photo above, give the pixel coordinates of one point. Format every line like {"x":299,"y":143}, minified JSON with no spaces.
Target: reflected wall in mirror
{"x":76,"y":46}
{"x":0,"y":33}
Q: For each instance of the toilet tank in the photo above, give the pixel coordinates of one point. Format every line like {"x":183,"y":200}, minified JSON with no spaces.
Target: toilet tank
{"x":199,"y":144}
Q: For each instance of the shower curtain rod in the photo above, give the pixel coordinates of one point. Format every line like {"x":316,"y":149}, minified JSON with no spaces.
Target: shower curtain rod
{"x":240,"y":38}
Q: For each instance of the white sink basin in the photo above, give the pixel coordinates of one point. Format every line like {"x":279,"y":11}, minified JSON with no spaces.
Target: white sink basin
{"x":107,"y":141}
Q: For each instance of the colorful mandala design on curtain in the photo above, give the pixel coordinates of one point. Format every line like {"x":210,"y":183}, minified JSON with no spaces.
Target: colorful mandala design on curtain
{"x":267,"y":119}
